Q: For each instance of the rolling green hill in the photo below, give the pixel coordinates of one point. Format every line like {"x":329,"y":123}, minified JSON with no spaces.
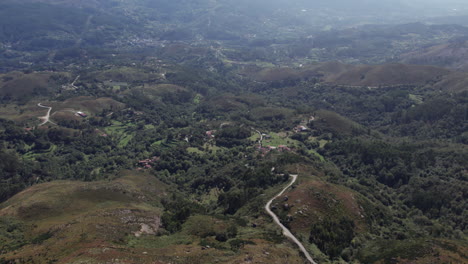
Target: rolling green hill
{"x":156,"y":131}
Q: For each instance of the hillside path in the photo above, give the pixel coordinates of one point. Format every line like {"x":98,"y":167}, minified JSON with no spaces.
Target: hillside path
{"x":45,"y":118}
{"x":261,"y":135}
{"x":286,"y":231}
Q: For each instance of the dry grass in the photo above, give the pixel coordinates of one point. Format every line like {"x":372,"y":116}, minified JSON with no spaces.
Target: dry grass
{"x":18,"y":84}
{"x":65,"y":115}
{"x":387,"y":75}
{"x":417,"y":251}
{"x":83,"y":216}
{"x":353,"y":75}
{"x":96,"y":223}
{"x":30,"y":112}
{"x":277,"y":74}
{"x":227,"y":103}
{"x":89,"y":104}
{"x":453,"y":55}
{"x":455,"y":82}
{"x":314,"y":200}
{"x":125,"y":74}
{"x":156,"y":91}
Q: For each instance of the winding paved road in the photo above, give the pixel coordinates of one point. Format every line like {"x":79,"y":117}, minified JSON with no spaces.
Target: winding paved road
{"x":286,"y":231}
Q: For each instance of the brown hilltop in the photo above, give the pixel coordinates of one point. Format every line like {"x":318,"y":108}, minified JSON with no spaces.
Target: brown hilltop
{"x":277,"y":74}
{"x":331,"y":68}
{"x":452,"y":55}
{"x":387,"y":74}
{"x":355,"y":75}
{"x":455,"y":82}
{"x":18,"y":84}
{"x":119,"y":221}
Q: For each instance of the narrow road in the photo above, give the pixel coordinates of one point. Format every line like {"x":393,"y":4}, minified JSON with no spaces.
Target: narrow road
{"x":286,"y":231}
{"x":73,"y":83}
{"x":45,"y":118}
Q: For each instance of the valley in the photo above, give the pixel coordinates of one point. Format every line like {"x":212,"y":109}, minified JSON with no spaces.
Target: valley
{"x":221,"y":132}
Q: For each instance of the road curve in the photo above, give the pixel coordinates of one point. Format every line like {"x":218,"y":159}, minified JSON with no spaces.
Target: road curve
{"x":46,"y":118}
{"x":286,"y":231}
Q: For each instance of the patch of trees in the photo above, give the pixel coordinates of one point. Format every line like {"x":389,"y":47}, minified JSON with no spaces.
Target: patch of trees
{"x":178,"y":97}
{"x":176,"y":160}
{"x":12,"y":235}
{"x":384,"y":162}
{"x":12,"y":176}
{"x":439,"y":198}
{"x":332,"y":235}
{"x":236,"y":198}
{"x":207,"y":183}
{"x":422,"y":176}
{"x":442,"y":117}
{"x":250,"y":183}
{"x":390,"y":110}
{"x":176,"y":211}
{"x":232,"y":136}
{"x":30,"y":157}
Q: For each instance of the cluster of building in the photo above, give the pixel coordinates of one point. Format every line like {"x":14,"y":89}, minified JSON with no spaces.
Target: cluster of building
{"x":267,"y":149}
{"x":210,"y":134}
{"x":147,"y":163}
{"x":300,"y":128}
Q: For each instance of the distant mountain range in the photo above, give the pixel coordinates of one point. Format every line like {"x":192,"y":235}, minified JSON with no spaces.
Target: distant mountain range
{"x":230,"y":19}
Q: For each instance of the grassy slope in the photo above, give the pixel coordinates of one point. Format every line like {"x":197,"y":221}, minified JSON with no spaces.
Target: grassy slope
{"x":65,"y":110}
{"x":452,"y":55}
{"x":71,"y":220}
{"x":333,"y":122}
{"x":76,"y":222}
{"x":455,"y":82}
{"x":353,"y":75}
{"x":18,"y":84}
{"x":387,"y":74}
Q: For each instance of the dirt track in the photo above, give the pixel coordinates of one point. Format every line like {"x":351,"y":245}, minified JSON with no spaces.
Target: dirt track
{"x":45,"y":118}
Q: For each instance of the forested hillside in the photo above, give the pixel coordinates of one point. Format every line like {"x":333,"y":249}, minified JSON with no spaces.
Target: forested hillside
{"x":127,"y":140}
